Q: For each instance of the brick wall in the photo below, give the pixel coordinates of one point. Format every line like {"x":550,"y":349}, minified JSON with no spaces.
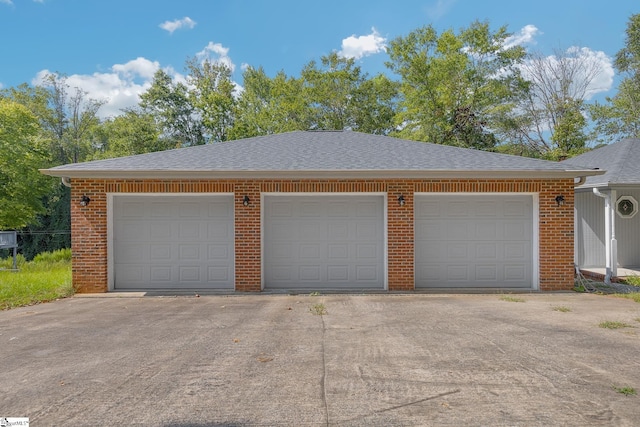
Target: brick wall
{"x":89,"y":224}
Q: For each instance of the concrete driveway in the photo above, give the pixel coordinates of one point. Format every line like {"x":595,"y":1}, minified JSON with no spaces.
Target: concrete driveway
{"x":267,"y":360}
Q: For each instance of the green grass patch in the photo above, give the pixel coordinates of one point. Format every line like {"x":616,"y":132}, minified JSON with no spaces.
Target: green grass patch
{"x":46,"y":278}
{"x":632,"y":280}
{"x":561,"y":308}
{"x":634,"y":296}
{"x":511,"y":298}
{"x":627,"y":391}
{"x":610,"y":324}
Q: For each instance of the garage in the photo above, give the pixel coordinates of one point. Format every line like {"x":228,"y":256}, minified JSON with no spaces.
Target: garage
{"x":173,"y":242}
{"x":324,"y":242}
{"x":474,"y":241}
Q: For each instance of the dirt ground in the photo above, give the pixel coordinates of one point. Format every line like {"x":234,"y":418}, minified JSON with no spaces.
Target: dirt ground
{"x":272,"y":360}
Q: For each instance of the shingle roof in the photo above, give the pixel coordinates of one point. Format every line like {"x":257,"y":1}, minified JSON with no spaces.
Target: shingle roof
{"x":321,"y":152}
{"x":620,"y":160}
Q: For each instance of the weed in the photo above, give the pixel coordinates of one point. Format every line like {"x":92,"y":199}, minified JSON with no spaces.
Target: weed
{"x":314,"y":294}
{"x":627,"y":391}
{"x":561,"y":308}
{"x":511,"y":298}
{"x":634,"y":296}
{"x":318,"y":309}
{"x":633,"y":280}
{"x":610,"y":324}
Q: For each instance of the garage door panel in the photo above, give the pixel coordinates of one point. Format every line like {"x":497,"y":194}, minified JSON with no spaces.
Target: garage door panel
{"x":486,"y":250}
{"x":163,"y":210}
{"x":218,"y":274}
{"x":218,"y":253}
{"x":158,"y":273}
{"x":332,"y":242}
{"x":173,"y":242}
{"x":338,"y":273}
{"x":492,"y":246}
{"x":309,"y":273}
{"x":486,"y":272}
{"x":337,"y":251}
{"x":157,"y":252}
{"x":337,"y":210}
{"x":366,"y":273}
{"x":338,"y":230}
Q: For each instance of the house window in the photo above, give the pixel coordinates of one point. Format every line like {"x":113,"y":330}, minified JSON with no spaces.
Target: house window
{"x":626,"y":206}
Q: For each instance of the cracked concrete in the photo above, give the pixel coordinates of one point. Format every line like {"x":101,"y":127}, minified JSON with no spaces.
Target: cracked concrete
{"x":267,"y":360}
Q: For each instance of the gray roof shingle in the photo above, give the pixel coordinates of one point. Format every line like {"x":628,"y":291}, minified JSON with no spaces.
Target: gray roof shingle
{"x":305,"y":152}
{"x":620,"y":160}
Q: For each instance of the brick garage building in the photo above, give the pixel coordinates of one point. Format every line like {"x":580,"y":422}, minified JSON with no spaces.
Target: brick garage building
{"x":321,"y":211}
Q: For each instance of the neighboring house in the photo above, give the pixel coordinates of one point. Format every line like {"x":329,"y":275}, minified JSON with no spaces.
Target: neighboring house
{"x":321,"y":211}
{"x":607,"y":220}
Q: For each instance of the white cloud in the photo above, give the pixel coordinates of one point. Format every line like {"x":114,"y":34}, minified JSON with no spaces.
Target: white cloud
{"x":122,"y":85}
{"x":9,"y":2}
{"x":120,"y":88}
{"x":525,"y":36}
{"x":215,"y":52}
{"x":357,"y":47}
{"x":439,"y":8}
{"x":171,"y":26}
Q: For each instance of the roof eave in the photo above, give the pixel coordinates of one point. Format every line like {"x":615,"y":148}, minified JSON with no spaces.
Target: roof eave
{"x":322,"y":174}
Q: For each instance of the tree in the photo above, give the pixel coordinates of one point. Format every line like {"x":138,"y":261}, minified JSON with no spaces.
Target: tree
{"x":550,"y":119}
{"x":69,"y":120}
{"x":620,"y":116}
{"x":269,"y":105}
{"x":341,"y":97}
{"x":212,"y":94}
{"x":455,"y":86}
{"x":171,"y":106}
{"x":133,"y":132}
{"x":21,"y":155}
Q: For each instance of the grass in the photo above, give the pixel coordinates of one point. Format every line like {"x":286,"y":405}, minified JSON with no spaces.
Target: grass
{"x":561,"y":308}
{"x":610,"y":324}
{"x":634,"y":296}
{"x":632,"y":280}
{"x":46,"y":278}
{"x":511,"y":298}
{"x":627,"y":391}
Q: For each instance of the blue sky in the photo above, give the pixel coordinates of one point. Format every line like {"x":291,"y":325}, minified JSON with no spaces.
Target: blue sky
{"x":112,"y":48}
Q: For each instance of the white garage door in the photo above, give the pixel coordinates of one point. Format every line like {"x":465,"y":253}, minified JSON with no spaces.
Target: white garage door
{"x":324,"y":242}
{"x":173,"y":242}
{"x":469,"y":241}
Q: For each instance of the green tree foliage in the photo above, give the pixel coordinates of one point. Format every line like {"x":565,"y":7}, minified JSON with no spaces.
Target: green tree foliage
{"x":21,"y":155}
{"x":212,"y":95}
{"x":620,"y":116}
{"x":173,"y":109}
{"x":269,"y":105}
{"x":69,"y":120}
{"x":341,"y":97}
{"x":133,"y":132}
{"x":454,"y":86}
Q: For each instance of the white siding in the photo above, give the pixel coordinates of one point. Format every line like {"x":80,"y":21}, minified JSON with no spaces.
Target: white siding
{"x":590,"y":232}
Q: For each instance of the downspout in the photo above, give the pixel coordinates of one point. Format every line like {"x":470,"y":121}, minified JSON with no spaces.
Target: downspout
{"x":581,"y":180}
{"x":614,"y":242}
{"x":66,"y":181}
{"x":607,"y":234}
